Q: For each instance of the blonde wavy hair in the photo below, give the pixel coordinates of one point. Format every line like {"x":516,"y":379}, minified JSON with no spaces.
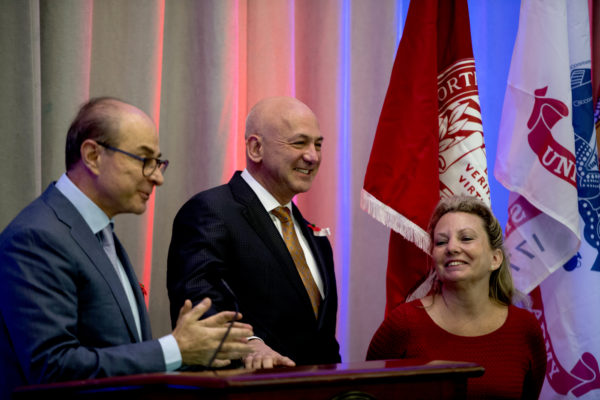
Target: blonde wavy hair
{"x":501,"y":284}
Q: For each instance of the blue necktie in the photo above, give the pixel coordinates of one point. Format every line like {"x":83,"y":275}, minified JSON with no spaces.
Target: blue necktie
{"x":108,"y":244}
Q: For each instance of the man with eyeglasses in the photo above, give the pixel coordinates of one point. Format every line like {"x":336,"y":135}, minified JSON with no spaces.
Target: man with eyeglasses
{"x":70,"y":303}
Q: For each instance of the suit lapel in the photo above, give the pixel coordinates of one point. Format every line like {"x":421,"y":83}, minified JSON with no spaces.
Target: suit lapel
{"x":90,"y":245}
{"x":261,"y":222}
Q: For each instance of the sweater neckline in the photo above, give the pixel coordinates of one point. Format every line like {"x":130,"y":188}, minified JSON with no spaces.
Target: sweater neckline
{"x":420,"y":306}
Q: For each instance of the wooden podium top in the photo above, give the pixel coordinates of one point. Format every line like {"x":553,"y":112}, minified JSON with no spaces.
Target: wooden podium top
{"x":365,"y":380}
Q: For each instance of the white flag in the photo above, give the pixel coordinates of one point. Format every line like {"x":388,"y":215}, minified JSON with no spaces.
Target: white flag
{"x":552,"y":60}
{"x":536,"y":149}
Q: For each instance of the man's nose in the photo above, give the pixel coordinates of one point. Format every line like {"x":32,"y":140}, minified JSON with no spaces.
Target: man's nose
{"x":157,"y":177}
{"x":311,"y":154}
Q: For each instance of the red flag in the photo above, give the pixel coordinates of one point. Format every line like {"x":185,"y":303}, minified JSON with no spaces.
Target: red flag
{"x":429,"y":141}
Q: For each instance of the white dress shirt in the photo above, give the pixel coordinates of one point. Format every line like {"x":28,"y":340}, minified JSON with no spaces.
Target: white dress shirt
{"x":270,"y":203}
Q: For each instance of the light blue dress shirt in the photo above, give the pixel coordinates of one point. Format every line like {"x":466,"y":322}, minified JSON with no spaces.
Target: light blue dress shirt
{"x":97,"y":220}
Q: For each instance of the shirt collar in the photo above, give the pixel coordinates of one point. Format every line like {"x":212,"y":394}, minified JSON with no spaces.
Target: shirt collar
{"x":91,"y":213}
{"x":267,"y":200}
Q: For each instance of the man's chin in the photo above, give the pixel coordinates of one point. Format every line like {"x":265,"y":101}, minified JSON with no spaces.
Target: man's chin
{"x":303,"y":187}
{"x":139,"y":209}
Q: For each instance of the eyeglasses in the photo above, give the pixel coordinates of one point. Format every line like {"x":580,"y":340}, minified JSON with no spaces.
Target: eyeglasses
{"x":150,"y":163}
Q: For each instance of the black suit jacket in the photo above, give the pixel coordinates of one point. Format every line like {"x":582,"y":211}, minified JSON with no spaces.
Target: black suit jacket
{"x":226,"y":234}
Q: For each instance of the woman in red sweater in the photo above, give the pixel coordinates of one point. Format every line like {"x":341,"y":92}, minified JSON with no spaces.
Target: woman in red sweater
{"x":468,"y":314}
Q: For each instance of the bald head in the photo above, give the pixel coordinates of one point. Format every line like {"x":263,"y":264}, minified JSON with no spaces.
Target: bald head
{"x":274,"y":113}
{"x":283,"y":146}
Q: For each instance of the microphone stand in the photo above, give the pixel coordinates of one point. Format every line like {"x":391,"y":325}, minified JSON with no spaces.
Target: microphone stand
{"x":235,"y":304}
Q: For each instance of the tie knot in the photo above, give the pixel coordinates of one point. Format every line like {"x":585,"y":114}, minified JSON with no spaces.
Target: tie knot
{"x":106,"y":234}
{"x":282,"y":213}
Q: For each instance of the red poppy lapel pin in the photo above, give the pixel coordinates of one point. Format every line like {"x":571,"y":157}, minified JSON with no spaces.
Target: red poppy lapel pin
{"x":319,"y":231}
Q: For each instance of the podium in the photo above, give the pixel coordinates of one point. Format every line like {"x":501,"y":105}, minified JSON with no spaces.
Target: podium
{"x":391,"y":379}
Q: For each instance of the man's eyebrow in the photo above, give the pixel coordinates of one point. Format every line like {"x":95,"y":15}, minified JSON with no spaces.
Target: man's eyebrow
{"x":148,"y":150}
{"x":305,"y":136}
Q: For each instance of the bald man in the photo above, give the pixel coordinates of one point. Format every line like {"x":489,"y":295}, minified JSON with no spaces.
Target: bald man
{"x":232,"y":243}
{"x":70,"y":304}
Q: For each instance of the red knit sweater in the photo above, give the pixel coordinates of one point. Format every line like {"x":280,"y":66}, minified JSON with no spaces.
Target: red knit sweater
{"x":513,"y":356}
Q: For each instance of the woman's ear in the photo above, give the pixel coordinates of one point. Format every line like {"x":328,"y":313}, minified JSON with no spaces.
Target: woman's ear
{"x":497,"y":258}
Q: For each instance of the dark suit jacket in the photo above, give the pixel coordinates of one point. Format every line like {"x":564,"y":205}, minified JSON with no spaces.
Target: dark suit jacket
{"x":63,"y":311}
{"x":225,"y":233}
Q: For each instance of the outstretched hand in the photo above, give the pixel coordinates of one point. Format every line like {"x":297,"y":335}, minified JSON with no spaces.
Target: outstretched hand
{"x":198,"y":339}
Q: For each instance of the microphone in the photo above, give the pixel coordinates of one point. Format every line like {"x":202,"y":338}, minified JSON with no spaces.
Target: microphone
{"x":235,"y":305}
{"x":230,"y":292}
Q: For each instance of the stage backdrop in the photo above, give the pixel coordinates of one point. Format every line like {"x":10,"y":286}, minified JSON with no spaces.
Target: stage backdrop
{"x":196,"y":67}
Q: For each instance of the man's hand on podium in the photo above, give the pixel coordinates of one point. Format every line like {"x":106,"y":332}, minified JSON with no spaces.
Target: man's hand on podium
{"x":263,"y":356}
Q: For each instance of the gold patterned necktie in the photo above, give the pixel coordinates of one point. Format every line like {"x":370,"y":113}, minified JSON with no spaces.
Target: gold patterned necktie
{"x":291,"y":241}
